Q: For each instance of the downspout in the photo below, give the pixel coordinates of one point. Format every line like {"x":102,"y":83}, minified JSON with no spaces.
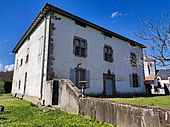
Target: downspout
{"x":43,"y":55}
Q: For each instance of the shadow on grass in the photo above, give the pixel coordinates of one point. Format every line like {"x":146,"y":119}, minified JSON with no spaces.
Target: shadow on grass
{"x":2,"y":118}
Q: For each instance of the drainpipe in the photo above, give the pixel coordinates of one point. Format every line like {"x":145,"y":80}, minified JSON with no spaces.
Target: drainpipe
{"x":43,"y":55}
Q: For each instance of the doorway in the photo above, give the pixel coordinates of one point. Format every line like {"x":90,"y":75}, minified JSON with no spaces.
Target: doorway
{"x":55,"y":93}
{"x":25,"y":83}
{"x":109,"y":85}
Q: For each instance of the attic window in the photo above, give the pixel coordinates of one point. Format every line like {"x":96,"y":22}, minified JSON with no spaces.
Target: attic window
{"x":107,"y":34}
{"x":80,"y":24}
{"x":133,"y":44}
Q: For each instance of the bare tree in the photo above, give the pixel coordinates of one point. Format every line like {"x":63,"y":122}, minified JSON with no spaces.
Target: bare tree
{"x":157,"y":33}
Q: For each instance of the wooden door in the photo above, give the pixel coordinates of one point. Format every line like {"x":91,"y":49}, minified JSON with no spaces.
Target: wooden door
{"x":109,"y":84}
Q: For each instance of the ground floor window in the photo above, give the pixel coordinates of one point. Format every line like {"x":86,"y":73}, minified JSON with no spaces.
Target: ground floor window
{"x":80,"y":74}
{"x":134,"y":80}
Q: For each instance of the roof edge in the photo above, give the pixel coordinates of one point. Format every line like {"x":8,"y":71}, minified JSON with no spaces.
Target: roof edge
{"x":47,"y":7}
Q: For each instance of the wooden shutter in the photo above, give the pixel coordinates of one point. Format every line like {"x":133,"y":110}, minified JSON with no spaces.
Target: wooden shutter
{"x":130,"y":80}
{"x":86,"y":48}
{"x":88,"y":78}
{"x":74,"y":45}
{"x":139,"y":83}
{"x":73,"y":75}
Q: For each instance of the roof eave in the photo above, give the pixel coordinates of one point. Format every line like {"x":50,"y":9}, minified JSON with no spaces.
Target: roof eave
{"x":50,"y":7}
{"x":67,"y":14}
{"x":37,"y":20}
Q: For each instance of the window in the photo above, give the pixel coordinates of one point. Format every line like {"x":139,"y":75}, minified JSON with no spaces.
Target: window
{"x":149,"y":71}
{"x":108,"y":53}
{"x":134,"y":80}
{"x":19,"y":85}
{"x":40,"y":45}
{"x":17,"y":65}
{"x":27,"y":56}
{"x":169,"y":79}
{"x":133,"y":60}
{"x":26,"y":60}
{"x":21,"y":62}
{"x":80,"y":76}
{"x":80,"y":24}
{"x":80,"y":47}
{"x":107,"y":34}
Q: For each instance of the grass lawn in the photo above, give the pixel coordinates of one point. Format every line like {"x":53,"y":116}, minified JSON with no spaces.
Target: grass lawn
{"x":22,"y":113}
{"x":161,"y":101}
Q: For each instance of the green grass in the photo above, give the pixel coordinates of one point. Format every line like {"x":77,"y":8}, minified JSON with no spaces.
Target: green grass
{"x":22,"y":113}
{"x":161,"y":101}
{"x":5,"y":96}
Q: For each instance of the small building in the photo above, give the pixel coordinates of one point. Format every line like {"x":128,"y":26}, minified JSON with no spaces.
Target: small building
{"x":156,"y":81}
{"x":163,"y":77}
{"x":60,"y":45}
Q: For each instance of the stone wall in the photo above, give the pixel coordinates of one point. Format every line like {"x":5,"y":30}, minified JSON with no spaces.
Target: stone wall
{"x":124,"y":114}
{"x":111,"y":112}
{"x":34,"y":100}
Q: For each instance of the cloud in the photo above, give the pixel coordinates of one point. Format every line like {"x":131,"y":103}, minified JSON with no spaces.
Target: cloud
{"x":9,"y":67}
{"x":6,"y":67}
{"x":116,"y":14}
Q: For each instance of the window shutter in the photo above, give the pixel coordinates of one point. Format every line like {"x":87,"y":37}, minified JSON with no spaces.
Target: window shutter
{"x":112,"y":58}
{"x":85,"y":48}
{"x":88,"y":78}
{"x":139,"y":83}
{"x":73,"y":75}
{"x":74,"y":46}
{"x":130,"y":80}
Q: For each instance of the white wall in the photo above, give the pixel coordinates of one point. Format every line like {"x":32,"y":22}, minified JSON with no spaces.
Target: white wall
{"x":148,"y":64}
{"x":32,"y":67}
{"x":63,"y":36}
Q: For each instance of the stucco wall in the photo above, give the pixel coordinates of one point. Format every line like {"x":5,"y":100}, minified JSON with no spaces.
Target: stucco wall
{"x":33,"y":46}
{"x":63,"y":34}
{"x":69,"y":96}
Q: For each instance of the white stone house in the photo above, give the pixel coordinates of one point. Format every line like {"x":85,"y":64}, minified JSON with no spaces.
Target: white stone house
{"x":60,"y":45}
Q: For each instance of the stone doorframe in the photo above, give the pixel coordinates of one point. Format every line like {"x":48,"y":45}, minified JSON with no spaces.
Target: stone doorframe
{"x":109,"y":76}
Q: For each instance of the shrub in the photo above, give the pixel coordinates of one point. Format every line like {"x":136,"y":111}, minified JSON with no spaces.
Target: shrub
{"x":7,"y":86}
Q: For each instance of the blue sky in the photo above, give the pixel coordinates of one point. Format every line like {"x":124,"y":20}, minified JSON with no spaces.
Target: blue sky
{"x":120,"y":16}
